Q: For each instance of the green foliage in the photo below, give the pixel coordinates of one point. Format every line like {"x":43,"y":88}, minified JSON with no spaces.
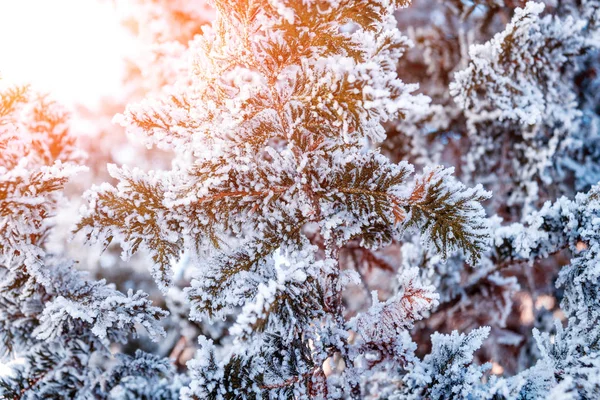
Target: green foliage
{"x":448,"y":214}
{"x":136,"y":211}
{"x":275,"y":131}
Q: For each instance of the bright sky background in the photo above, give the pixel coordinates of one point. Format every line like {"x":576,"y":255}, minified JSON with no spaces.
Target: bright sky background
{"x":70,"y":48}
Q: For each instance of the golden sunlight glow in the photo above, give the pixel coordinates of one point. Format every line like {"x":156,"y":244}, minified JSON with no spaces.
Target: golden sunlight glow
{"x":71,"y":48}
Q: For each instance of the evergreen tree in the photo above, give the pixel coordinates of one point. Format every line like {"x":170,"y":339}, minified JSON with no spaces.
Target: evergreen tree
{"x":54,"y":318}
{"x":322,"y":231}
{"x":275,"y":139}
{"x":525,"y":163}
